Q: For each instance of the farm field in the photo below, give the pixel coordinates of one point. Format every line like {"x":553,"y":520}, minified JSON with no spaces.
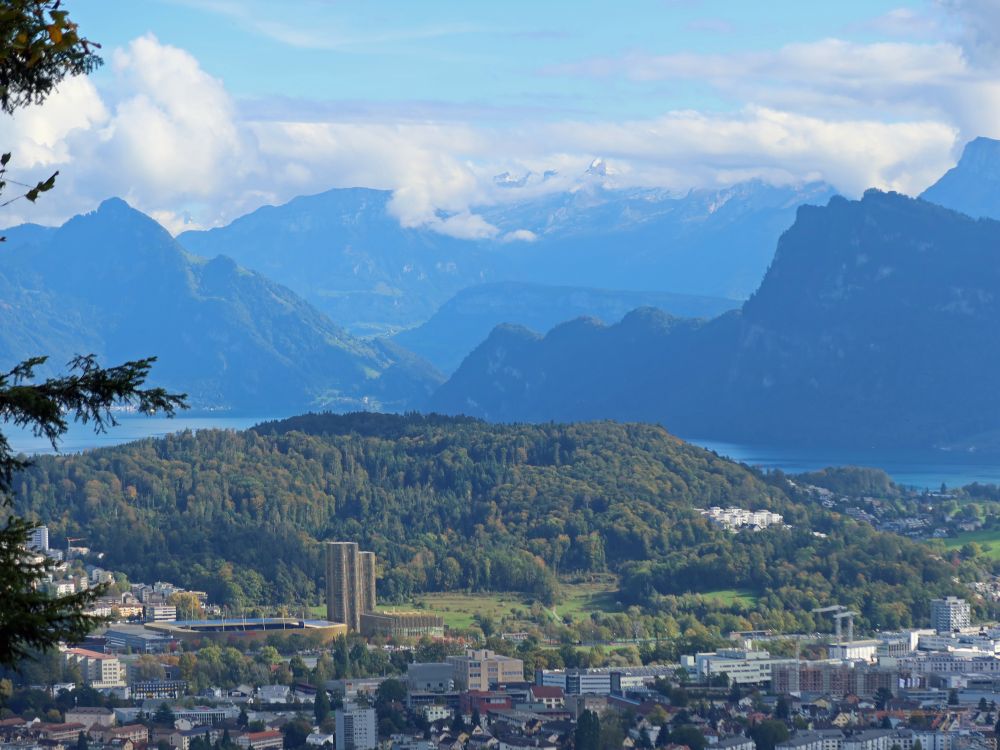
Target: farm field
{"x":988,"y":539}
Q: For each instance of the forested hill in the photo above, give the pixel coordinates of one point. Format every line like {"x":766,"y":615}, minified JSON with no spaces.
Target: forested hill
{"x":450,"y":503}
{"x":875,"y":325}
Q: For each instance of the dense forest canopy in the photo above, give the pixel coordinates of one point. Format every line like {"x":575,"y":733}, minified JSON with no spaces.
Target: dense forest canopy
{"x":456,"y":503}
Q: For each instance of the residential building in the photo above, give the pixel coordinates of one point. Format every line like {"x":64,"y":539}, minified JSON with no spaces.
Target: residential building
{"x":137,"y":733}
{"x":59,"y":732}
{"x":739,"y":742}
{"x":356,"y":728}
{"x":39,"y":539}
{"x":550,"y":696}
{"x":437,"y":712}
{"x":152,"y":689}
{"x":90,"y":716}
{"x":949,"y":614}
{"x":741,"y":518}
{"x":481,"y":669}
{"x":350,"y":583}
{"x":181,"y":739}
{"x":98,"y":670}
{"x":160,"y":613}
{"x":270,"y":739}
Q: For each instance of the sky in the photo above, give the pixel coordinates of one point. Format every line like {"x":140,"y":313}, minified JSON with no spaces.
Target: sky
{"x":207,"y":109}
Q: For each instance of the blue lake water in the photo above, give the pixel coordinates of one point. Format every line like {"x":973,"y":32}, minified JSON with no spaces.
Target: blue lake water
{"x":915,"y":468}
{"x":130,"y":427}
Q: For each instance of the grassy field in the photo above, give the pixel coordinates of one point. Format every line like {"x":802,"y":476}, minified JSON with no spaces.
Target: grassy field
{"x":988,"y":539}
{"x":732,"y":596}
{"x":459,"y":609}
{"x":578,"y":600}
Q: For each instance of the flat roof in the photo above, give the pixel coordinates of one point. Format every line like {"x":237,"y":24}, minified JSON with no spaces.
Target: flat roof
{"x":240,"y":624}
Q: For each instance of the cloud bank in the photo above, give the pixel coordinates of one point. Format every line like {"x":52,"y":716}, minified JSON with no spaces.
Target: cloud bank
{"x":170,"y":139}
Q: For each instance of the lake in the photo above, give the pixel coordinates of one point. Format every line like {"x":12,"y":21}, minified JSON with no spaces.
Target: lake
{"x":916,"y":468}
{"x":926,"y":468}
{"x":130,"y":427}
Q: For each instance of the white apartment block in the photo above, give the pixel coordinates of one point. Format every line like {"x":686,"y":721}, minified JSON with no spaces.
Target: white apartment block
{"x":356,"y":728}
{"x":740,"y":518}
{"x":39,"y":539}
{"x":950,"y":614}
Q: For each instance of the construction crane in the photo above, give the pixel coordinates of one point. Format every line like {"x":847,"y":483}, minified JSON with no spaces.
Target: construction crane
{"x":840,"y":613}
{"x":69,"y":544}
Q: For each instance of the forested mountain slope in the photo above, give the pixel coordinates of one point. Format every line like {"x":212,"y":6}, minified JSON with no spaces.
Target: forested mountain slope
{"x":450,"y":503}
{"x":878,"y":323}
{"x":113,"y":282}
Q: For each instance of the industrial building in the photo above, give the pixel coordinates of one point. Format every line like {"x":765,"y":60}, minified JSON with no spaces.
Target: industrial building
{"x":248,"y":628}
{"x":401,"y":624}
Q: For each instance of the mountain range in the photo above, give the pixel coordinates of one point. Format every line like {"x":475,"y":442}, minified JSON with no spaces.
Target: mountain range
{"x":465,"y":320}
{"x":345,"y":253}
{"x":878,"y":323}
{"x":973,"y":185}
{"x":115,"y":283}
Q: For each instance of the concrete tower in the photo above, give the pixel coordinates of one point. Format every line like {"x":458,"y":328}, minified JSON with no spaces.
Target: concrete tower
{"x":350,"y":583}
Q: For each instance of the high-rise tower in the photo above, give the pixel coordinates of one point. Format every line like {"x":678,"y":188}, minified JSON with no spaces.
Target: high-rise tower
{"x":350,"y":583}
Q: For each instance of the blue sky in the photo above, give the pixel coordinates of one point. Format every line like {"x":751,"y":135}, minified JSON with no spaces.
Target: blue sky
{"x":207,"y":109}
{"x":469,"y":56}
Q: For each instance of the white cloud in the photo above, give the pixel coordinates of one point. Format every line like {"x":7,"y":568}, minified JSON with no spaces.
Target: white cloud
{"x":169,"y":138}
{"x":520,"y":235}
{"x":977,"y":26}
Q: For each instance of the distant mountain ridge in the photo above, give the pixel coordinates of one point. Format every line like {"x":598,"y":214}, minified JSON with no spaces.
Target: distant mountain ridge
{"x":878,"y":323}
{"x":973,"y":185}
{"x":346,"y":253}
{"x":115,"y":283}
{"x":467,"y":318}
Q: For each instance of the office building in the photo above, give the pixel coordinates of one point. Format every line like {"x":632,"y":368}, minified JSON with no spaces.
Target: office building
{"x":434,"y":677}
{"x":482,"y":669}
{"x":356,"y":728}
{"x":950,"y":614}
{"x":350,"y":583}
{"x":160,"y":613}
